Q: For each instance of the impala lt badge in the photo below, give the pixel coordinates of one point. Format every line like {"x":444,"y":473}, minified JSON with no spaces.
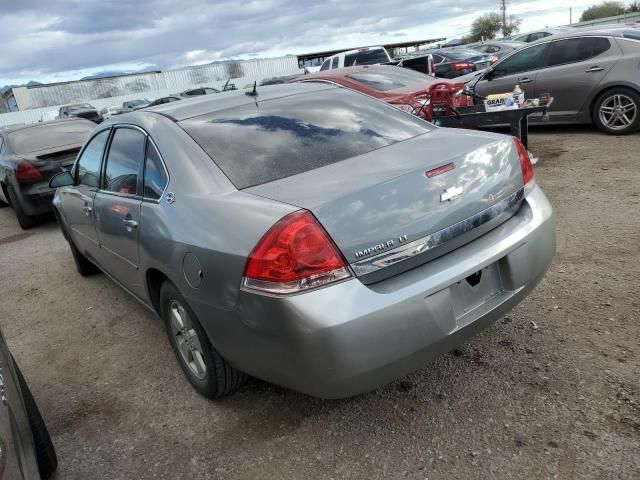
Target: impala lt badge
{"x":451,"y":194}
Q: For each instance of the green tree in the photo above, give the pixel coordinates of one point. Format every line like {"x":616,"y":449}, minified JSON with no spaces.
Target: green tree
{"x":487,"y":26}
{"x":634,"y":7}
{"x":603,"y":10}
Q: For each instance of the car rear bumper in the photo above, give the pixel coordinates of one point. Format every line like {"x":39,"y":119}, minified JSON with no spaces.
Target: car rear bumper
{"x":349,"y":338}
{"x":35,"y":199}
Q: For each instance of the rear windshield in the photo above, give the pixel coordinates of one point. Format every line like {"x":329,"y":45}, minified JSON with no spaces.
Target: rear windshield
{"x":366,"y":57}
{"x":79,"y":107}
{"x":389,"y":78}
{"x":259,"y":143}
{"x":53,"y":135}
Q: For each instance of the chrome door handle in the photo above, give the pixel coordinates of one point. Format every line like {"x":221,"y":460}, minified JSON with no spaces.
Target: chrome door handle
{"x":594,"y":69}
{"x":130,"y":224}
{"x":525,"y":80}
{"x":87,"y":210}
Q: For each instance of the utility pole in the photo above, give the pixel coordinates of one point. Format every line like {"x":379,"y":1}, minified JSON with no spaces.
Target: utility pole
{"x":570,"y":15}
{"x":503,"y":7}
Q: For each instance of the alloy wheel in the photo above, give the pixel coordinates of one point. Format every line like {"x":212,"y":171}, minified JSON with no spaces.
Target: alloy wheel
{"x":186,"y":339}
{"x":618,"y":112}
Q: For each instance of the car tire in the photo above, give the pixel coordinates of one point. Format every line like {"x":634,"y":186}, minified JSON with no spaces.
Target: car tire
{"x":44,"y":449}
{"x":209,"y":373}
{"x":25,"y":221}
{"x":610,"y":106}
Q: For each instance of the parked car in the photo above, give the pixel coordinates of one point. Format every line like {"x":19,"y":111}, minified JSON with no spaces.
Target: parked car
{"x":592,"y":76}
{"x":195,"y":92}
{"x":133,"y":105}
{"x":403,"y":88}
{"x":29,"y":156}
{"x":163,"y":100}
{"x":539,"y":34}
{"x":452,"y":63}
{"x":26,"y":449}
{"x":80,"y":110}
{"x":110,"y":111}
{"x":238,"y":228}
{"x":497,"y":48}
{"x":360,"y":56}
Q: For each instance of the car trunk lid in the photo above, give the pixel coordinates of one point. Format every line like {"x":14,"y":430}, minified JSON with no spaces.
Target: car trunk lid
{"x":387,"y":216}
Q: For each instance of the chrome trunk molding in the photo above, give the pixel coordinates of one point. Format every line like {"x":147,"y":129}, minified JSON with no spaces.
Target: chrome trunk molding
{"x":436,"y":239}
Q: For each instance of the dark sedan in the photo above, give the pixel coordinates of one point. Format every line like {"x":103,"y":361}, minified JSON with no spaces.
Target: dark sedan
{"x":26,"y":450}
{"x":452,"y":63}
{"x":163,"y":100}
{"x":29,"y":156}
{"x":80,"y":110}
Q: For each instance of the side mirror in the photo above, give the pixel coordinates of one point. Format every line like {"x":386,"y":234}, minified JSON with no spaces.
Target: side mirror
{"x":62,"y":179}
{"x":488,"y":74}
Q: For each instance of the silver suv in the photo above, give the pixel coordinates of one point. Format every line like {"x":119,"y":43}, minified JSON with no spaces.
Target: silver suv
{"x":593,"y":76}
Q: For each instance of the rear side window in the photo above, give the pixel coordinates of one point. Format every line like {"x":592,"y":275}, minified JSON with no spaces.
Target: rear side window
{"x":334,"y":62}
{"x":123,"y":161}
{"x":366,"y":57}
{"x":87,"y":167}
{"x":577,"y":49}
{"x":528,"y":59}
{"x":1,"y":145}
{"x":255,"y":144}
{"x":155,"y":176}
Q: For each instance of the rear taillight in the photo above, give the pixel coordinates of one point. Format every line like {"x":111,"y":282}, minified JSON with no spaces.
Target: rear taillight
{"x":296,"y":254}
{"x":525,"y":161}
{"x":26,"y":172}
{"x":462,"y":66}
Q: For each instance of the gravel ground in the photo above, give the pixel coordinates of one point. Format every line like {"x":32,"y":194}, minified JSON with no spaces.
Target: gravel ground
{"x":550,"y":391}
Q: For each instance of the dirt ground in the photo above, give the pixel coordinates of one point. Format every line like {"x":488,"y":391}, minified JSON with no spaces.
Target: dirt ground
{"x":550,"y":391}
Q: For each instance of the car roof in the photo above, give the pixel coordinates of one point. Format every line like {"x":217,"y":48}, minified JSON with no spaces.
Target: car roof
{"x":611,"y":31}
{"x":24,"y":126}
{"x":206,"y":104}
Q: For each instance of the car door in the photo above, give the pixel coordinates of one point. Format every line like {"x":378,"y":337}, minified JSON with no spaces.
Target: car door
{"x":521,"y":68}
{"x":575,"y":67}
{"x":78,"y":200}
{"x":117,"y":206}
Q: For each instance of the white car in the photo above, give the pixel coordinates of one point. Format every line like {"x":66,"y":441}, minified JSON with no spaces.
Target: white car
{"x":360,"y":56}
{"x":110,"y":112}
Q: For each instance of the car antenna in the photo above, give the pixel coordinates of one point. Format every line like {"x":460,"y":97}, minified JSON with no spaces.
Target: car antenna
{"x":254,"y":92}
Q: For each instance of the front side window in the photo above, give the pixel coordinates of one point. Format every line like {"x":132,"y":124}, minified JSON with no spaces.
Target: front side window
{"x":123,"y":161}
{"x":155,"y":176}
{"x":334,"y":62}
{"x":87,"y":170}
{"x":577,"y":50}
{"x":325,"y":65}
{"x":528,"y":59}
{"x":1,"y":145}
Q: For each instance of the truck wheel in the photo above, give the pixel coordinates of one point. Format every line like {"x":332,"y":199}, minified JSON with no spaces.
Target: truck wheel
{"x":617,"y":111}
{"x":45,"y":452}
{"x":206,"y":370}
{"x":25,"y":221}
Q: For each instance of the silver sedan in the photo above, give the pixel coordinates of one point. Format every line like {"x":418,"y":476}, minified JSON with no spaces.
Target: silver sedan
{"x":307,"y":235}
{"x":593,"y":76}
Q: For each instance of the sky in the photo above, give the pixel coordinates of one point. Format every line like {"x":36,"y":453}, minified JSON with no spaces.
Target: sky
{"x":59,"y":40}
